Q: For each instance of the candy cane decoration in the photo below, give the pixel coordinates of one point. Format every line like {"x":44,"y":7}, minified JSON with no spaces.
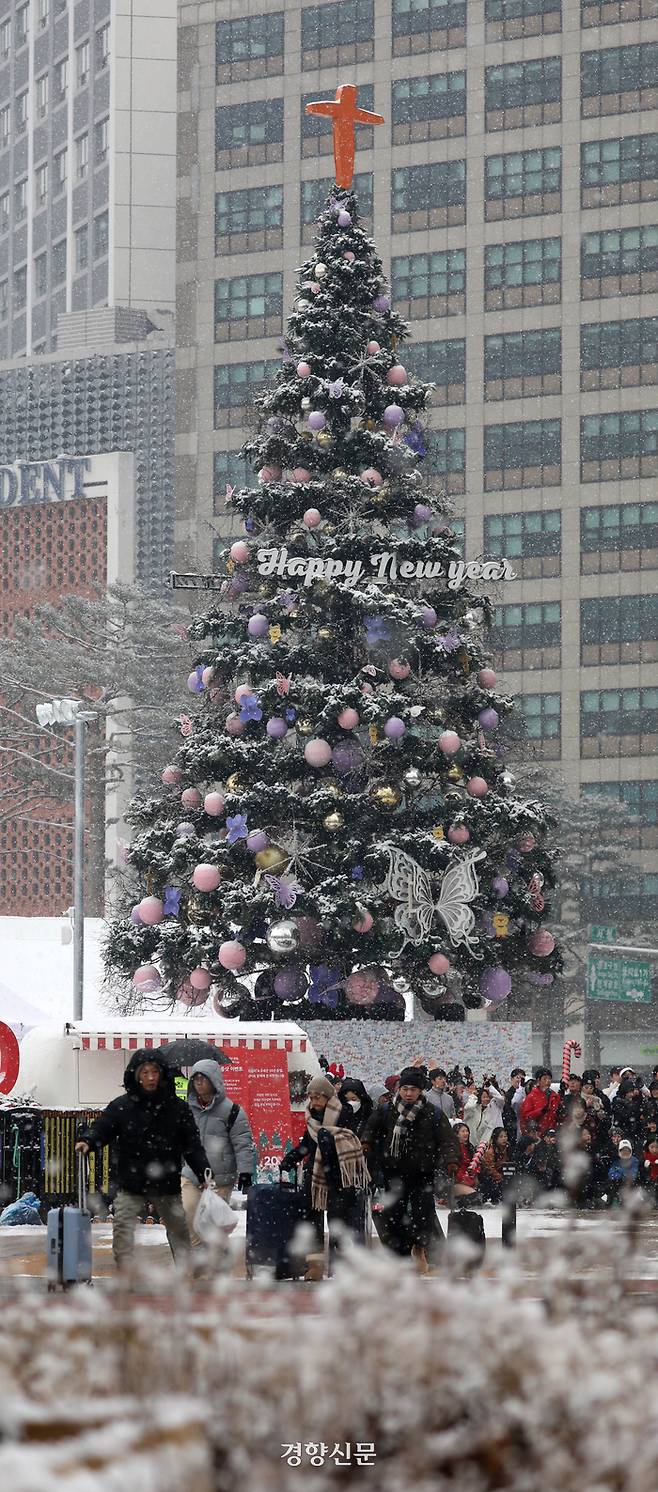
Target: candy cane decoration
{"x":568,"y":1048}
{"x":474,"y":1166}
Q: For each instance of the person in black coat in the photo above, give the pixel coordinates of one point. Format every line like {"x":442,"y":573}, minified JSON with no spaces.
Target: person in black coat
{"x":409,"y":1141}
{"x":628,"y":1113}
{"x":354,"y":1095}
{"x":336,"y":1181}
{"x":153,"y":1132}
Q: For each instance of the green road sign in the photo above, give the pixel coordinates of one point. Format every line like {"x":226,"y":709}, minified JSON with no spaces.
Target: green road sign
{"x":602,"y":934}
{"x":610,"y":978}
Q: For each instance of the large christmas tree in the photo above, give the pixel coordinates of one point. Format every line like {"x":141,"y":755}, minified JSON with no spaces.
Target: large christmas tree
{"x":339,"y":824}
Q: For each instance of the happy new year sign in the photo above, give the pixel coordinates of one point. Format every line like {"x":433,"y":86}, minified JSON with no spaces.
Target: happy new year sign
{"x":387,"y":568}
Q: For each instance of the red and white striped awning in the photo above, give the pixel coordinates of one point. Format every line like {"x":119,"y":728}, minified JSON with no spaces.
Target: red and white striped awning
{"x":117,"y":1041}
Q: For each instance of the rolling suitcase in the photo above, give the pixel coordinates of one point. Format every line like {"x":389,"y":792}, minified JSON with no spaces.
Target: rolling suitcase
{"x":273,"y":1217}
{"x":468,"y":1228}
{"x":69,"y":1240}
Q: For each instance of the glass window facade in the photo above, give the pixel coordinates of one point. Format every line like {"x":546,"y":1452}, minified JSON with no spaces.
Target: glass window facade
{"x":428,"y":108}
{"x":338,"y":33}
{"x":427,"y":25}
{"x":252,"y":218}
{"x":313,"y":195}
{"x":236,"y":385}
{"x":619,"y":353}
{"x":619,"y":629}
{"x":528,"y":273}
{"x":512,"y":18}
{"x":427,"y":285}
{"x":229,"y":470}
{"x":249,"y":47}
{"x":618,"y":722}
{"x":542,"y":714}
{"x":249,"y":134}
{"x":528,"y":634}
{"x":523,"y":364}
{"x":625,"y":76}
{"x":520,"y":94}
{"x":428,"y":196}
{"x":446,"y":458}
{"x":444,"y":365}
{"x":619,"y":536}
{"x":619,"y":445}
{"x":526,"y":453}
{"x":523,"y":182}
{"x":249,"y":305}
{"x":619,"y":261}
{"x":619,"y":170}
{"x":531,"y":540}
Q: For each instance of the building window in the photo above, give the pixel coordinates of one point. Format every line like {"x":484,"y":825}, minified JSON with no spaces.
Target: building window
{"x":4,"y":299}
{"x":426,"y":285}
{"x":81,"y":248}
{"x":522,"y":274}
{"x":249,"y":134}
{"x":229,"y":470}
{"x":444,"y":365}
{"x":519,"y":94}
{"x":428,"y":25}
{"x":619,"y":629}
{"x":81,"y":156}
{"x":523,"y":183}
{"x":4,"y":212}
{"x":20,"y":288}
{"x":101,"y":141}
{"x":428,"y":108}
{"x":21,"y":112}
{"x":61,"y":79}
{"x":510,"y":18}
{"x":236,"y":385}
{"x":40,"y":275}
{"x":542,"y":715}
{"x":523,"y":454}
{"x":619,"y":536}
{"x":532,"y":540}
{"x":101,"y":236}
{"x":523,"y":365}
{"x":43,"y":12}
{"x":82,"y":64}
{"x":41,"y":186}
{"x":42,"y":96}
{"x":616,"y":354}
{"x":618,"y":722}
{"x":317,"y":138}
{"x":640,"y":797}
{"x":617,"y":446}
{"x":446,"y":458}
{"x":59,"y":262}
{"x":249,"y":219}
{"x":615,"y":12}
{"x":103,"y":47}
{"x":248,"y":306}
{"x":528,"y":635}
{"x":249,"y":47}
{"x":619,"y":80}
{"x":22,"y":25}
{"x":431,"y":196}
{"x":60,"y":170}
{"x":313,"y":198}
{"x":5,"y":38}
{"x":620,"y":170}
{"x":333,"y":35}
{"x":5,"y":125}
{"x":20,"y":200}
{"x":619,"y":261}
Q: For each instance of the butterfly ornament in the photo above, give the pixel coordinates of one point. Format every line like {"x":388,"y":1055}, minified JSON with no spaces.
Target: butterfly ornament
{"x":407,"y":883}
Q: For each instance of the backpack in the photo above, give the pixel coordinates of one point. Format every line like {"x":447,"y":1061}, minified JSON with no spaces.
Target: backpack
{"x":234,"y":1111}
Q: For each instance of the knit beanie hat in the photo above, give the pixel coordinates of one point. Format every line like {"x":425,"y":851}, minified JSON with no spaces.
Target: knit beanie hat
{"x":416,"y":1077}
{"x":320,"y":1085}
{"x":391,"y":1082}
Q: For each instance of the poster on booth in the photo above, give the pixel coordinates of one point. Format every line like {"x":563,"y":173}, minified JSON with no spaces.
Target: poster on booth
{"x":259,"y":1082}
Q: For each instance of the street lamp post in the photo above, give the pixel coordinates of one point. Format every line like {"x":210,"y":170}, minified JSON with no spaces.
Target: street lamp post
{"x":68,"y":712}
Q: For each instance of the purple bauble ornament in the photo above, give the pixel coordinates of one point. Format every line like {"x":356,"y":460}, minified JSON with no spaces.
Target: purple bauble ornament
{"x":393,"y":414}
{"x":346,"y":757}
{"x":238,"y":585}
{"x":489,"y":718}
{"x":135,"y":917}
{"x":344,"y":218}
{"x":394,"y":728}
{"x":495,"y":985}
{"x":428,"y":617}
{"x":316,"y":420}
{"x":290,"y":983}
{"x":422,"y":513}
{"x":258,"y":625}
{"x":185,"y":830}
{"x":382,"y":303}
{"x":276,"y":727}
{"x":257,"y":841}
{"x":501,"y":886}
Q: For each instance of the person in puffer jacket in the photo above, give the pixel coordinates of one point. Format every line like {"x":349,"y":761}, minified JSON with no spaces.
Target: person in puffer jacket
{"x":226,"y":1138}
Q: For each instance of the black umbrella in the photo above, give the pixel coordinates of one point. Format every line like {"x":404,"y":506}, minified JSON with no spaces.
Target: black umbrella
{"x":191,"y":1049}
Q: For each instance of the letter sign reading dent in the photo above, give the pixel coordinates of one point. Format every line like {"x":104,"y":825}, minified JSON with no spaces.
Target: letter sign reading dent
{"x":43,"y":481}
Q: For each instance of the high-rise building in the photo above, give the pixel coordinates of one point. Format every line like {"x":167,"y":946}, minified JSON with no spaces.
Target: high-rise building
{"x":513,"y":194}
{"x":87,"y":163}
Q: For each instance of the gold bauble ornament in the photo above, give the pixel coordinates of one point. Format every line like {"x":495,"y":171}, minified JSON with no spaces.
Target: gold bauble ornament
{"x":373,"y":734}
{"x":455,"y":774}
{"x":273,"y":858}
{"x":235,"y":783}
{"x":323,"y":439}
{"x":325,"y":634}
{"x":275,"y":633}
{"x":378,"y":496}
{"x":339,"y":474}
{"x":332,"y":788}
{"x":501,"y":924}
{"x":304,"y":727}
{"x":386,"y":796}
{"x":438,"y":832}
{"x":333,"y":821}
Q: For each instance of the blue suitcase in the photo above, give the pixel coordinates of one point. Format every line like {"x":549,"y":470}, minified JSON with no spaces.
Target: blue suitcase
{"x":69,"y":1260}
{"x":274,"y":1213}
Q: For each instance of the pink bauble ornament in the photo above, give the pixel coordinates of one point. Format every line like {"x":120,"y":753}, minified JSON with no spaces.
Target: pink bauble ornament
{"x":349,"y":256}
{"x":192,"y":998}
{"x":300,"y":474}
{"x":258,"y":625}
{"x":363,"y":922}
{"x":361,"y":987}
{"x":241,"y":691}
{"x":477,"y":787}
{"x":541,"y":943}
{"x":398,"y":669}
{"x":171,"y":776}
{"x":303,"y":370}
{"x":371,"y":477}
{"x":487,"y":678}
{"x":234,"y":725}
{"x":312,"y":517}
{"x":269,"y":474}
{"x":147,"y":979}
{"x":193,"y":683}
{"x":151,"y":910}
{"x":207,"y":676}
{"x":348,"y":718}
{"x":190,"y":798}
{"x":373,"y":348}
{"x":397,"y":375}
{"x":239,"y":552}
{"x":213,"y":804}
{"x":449,"y":742}
{"x":317,"y":752}
{"x":232,"y":955}
{"x":459,"y":835}
{"x":315,"y":287}
{"x":200,"y":979}
{"x":438,"y":963}
{"x":526,"y":844}
{"x":206,"y":877}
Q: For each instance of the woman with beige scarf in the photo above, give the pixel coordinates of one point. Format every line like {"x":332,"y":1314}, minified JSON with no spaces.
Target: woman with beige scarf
{"x":335,"y":1171}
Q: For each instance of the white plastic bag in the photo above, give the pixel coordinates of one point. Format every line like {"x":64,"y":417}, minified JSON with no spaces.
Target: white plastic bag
{"x":213,"y":1219}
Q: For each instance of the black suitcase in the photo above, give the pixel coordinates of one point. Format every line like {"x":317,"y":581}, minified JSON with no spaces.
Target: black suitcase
{"x":274,"y":1213}
{"x":467,"y":1228}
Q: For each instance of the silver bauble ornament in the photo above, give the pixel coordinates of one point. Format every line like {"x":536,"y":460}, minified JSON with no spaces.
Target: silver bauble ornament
{"x":283,"y":937}
{"x":412,"y":778}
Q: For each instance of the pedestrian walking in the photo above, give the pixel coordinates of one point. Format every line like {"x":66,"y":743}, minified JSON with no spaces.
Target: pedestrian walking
{"x":354,"y":1094}
{"x":335,"y":1174}
{"x":438,"y":1094}
{"x":409,"y":1141}
{"x":153,"y":1131}
{"x":226,"y":1138}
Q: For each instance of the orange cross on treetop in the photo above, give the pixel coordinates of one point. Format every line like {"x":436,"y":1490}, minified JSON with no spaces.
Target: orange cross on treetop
{"x":344,"y":114}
